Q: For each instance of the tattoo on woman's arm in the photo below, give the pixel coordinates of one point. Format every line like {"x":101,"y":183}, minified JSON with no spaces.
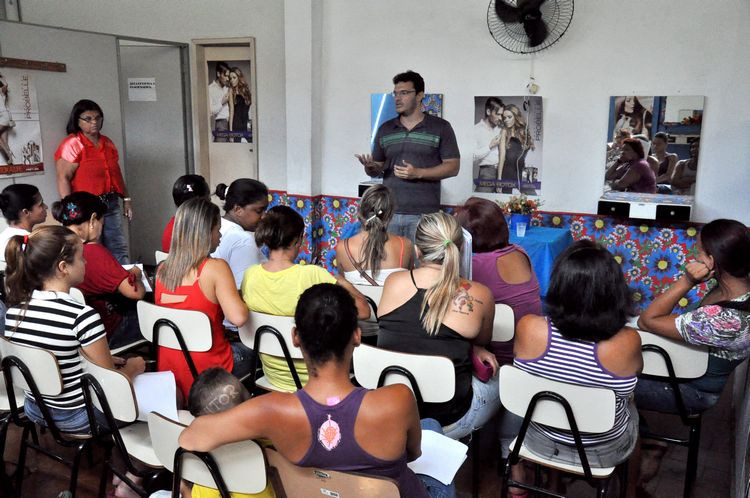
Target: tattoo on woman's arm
{"x":463,"y":302}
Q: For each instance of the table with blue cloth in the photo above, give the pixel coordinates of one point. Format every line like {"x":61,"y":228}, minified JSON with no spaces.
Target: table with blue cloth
{"x":543,"y":245}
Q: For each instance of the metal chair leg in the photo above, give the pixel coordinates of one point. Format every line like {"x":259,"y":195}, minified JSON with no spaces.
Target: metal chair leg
{"x":22,"y":458}
{"x":475,"y":465}
{"x":105,"y":471}
{"x":694,"y":440}
{"x":74,"y":468}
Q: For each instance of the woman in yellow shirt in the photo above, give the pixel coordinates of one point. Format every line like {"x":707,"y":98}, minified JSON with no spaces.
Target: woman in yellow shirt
{"x":274,"y":287}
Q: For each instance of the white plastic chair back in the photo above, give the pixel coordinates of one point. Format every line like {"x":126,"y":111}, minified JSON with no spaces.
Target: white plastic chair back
{"x":241,"y":464}
{"x":504,"y":326}
{"x":689,"y":361}
{"x":76,"y":294}
{"x":160,"y":256}
{"x":4,"y":401}
{"x":435,"y":375}
{"x":593,"y":408}
{"x":374,"y":293}
{"x":310,"y":481}
{"x":40,"y":362}
{"x":268,"y":343}
{"x":117,"y":389}
{"x":194,"y":326}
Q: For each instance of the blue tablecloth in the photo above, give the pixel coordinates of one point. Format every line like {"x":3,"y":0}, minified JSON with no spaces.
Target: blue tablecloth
{"x":543,"y":245}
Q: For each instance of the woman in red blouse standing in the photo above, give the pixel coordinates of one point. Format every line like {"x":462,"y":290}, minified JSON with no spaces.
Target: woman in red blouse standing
{"x":87,"y":161}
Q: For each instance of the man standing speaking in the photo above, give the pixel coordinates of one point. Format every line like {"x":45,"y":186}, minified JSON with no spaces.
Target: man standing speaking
{"x":413,"y":152}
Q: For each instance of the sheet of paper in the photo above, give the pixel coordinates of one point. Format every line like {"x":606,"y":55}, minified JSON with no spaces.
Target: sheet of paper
{"x":441,"y":457}
{"x":156,"y":392}
{"x":144,"y":279}
{"x":142,"y":89}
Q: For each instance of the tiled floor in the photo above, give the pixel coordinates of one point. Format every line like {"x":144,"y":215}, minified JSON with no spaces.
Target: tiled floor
{"x":46,"y":479}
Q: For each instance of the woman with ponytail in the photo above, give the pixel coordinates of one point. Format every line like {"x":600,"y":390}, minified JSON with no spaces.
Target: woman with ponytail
{"x":245,"y":202}
{"x":370,"y":256}
{"x":108,"y":287}
{"x":431,"y":310}
{"x":42,"y":267}
{"x":185,"y":188}
{"x":22,"y":207}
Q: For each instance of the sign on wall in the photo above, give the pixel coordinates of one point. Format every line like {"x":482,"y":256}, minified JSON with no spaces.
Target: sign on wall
{"x":20,"y":132}
{"x":507,"y":152}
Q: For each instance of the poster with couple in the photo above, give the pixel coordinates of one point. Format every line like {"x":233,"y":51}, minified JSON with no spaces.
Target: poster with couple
{"x":230,"y":100}
{"x":507,"y":155}
{"x":20,"y":132}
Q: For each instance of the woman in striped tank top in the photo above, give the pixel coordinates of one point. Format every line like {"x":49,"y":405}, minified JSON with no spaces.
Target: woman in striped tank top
{"x":583,"y":340}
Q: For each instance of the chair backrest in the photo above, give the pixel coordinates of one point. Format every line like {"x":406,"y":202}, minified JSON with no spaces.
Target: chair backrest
{"x":4,"y":401}
{"x":688,"y":361}
{"x":374,"y":293}
{"x":504,"y":326}
{"x":41,"y":364}
{"x":241,"y":464}
{"x":76,"y":294}
{"x":267,"y":343}
{"x":311,"y":481}
{"x":160,"y":256}
{"x":194,"y":326}
{"x":117,"y":389}
{"x":593,"y":408}
{"x":435,"y":375}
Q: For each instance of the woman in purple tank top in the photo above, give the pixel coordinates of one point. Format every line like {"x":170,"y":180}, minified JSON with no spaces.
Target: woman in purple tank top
{"x":330,"y":423}
{"x":504,"y":268}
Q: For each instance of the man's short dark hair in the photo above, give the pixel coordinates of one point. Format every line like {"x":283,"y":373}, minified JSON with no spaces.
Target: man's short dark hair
{"x":215,"y":390}
{"x":492,"y":104}
{"x":221,"y":66}
{"x":588,"y":298}
{"x":326,"y":318}
{"x":410,"y":75}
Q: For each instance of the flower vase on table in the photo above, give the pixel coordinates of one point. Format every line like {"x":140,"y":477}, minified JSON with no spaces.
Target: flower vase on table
{"x":519,"y":209}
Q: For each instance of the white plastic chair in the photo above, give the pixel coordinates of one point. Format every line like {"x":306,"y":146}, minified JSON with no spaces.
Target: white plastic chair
{"x":504,"y":326}
{"x":236,"y":467}
{"x":546,"y":402}
{"x":271,"y":335}
{"x":673,"y":362}
{"x":76,"y":294}
{"x":311,"y":481}
{"x":183,"y":330}
{"x":160,"y":256}
{"x":373,"y":294}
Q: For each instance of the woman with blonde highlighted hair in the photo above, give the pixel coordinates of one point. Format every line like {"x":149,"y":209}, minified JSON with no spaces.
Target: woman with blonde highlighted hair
{"x":431,"y":310}
{"x":189,"y":279}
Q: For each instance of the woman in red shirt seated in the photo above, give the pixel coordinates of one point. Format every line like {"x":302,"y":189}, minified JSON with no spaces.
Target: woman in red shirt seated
{"x":185,"y":188}
{"x":108,"y":287}
{"x":190,"y":280}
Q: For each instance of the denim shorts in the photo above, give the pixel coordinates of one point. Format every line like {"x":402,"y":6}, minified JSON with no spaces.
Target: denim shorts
{"x":607,"y":454}
{"x":658,"y":396}
{"x":74,"y":421}
{"x":485,"y":402}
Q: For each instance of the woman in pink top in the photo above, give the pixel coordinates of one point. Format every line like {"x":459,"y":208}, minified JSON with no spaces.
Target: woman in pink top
{"x":504,"y":268}
{"x":632,"y":174}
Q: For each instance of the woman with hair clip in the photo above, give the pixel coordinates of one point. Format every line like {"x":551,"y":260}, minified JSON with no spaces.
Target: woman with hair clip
{"x":370,"y":256}
{"x":377,"y":431}
{"x":87,"y":161}
{"x":191,"y":280}
{"x":185,"y":188}
{"x":42,"y":267}
{"x":431,"y":310}
{"x":583,"y":340}
{"x":274,"y":287}
{"x":108,"y":287}
{"x":515,"y":143}
{"x":245,"y":201}
{"x":23,"y":208}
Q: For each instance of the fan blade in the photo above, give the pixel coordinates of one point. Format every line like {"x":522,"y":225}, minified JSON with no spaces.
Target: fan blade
{"x":535,"y":29}
{"x":507,"y":13}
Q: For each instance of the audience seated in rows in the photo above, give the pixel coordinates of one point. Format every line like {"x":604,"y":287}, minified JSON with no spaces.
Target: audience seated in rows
{"x":504,"y":268}
{"x":108,"y":287}
{"x":273,"y":287}
{"x":431,"y":310}
{"x":330,"y":423}
{"x":42,"y":267}
{"x":189,"y":279}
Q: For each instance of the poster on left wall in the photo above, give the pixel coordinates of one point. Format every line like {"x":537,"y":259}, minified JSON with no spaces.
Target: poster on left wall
{"x":20,"y":132}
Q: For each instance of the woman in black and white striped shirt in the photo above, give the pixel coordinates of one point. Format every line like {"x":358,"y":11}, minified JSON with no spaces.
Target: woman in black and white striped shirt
{"x":42,"y":267}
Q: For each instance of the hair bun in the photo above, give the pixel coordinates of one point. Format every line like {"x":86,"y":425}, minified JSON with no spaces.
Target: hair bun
{"x":221,"y":191}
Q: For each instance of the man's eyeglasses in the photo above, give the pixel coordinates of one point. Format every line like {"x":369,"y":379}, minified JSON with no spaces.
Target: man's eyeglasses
{"x":403,"y":93}
{"x":90,"y":119}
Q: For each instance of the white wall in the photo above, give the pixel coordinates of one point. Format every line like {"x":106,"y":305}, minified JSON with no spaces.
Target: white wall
{"x":669,"y":47}
{"x":181,"y":21}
